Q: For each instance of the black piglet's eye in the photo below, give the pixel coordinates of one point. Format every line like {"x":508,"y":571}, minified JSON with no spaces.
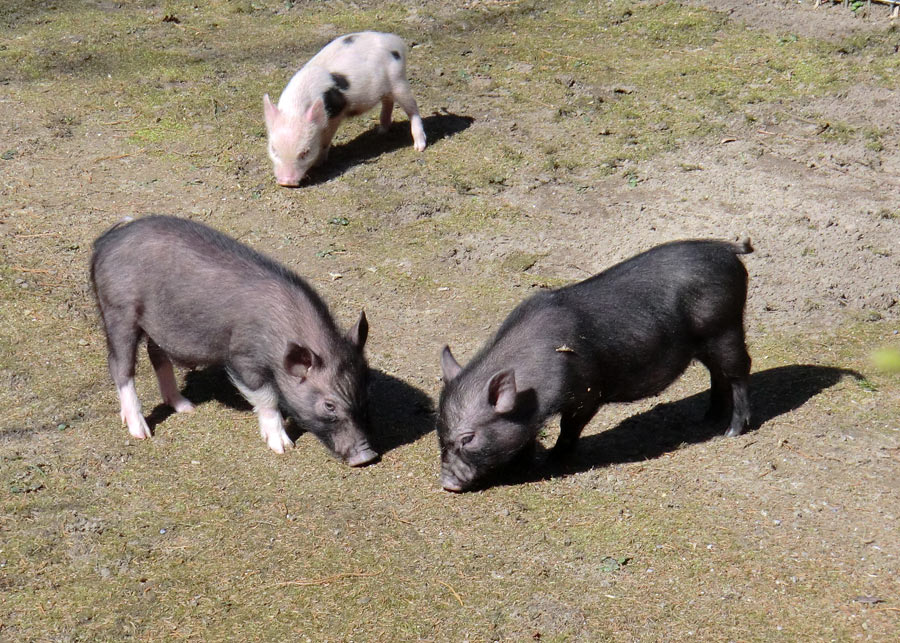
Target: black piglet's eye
{"x":464,"y":440}
{"x":329,"y":406}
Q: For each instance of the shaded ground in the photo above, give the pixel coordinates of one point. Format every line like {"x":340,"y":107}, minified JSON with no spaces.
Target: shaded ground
{"x":563,"y":137}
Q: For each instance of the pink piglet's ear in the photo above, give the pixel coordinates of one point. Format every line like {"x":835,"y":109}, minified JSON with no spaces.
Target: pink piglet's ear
{"x":316,"y":112}
{"x":270,"y":111}
{"x":299,"y":359}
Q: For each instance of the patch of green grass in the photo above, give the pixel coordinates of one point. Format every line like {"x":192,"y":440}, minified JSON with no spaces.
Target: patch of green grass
{"x":873,"y":137}
{"x":159,"y":133}
{"x":520,"y":261}
{"x":839,"y":132}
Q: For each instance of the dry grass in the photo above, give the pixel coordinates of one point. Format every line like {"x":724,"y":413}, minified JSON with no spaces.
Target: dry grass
{"x":654,"y":532}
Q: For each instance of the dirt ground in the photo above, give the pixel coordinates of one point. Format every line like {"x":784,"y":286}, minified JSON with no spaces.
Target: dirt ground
{"x":546,"y":163}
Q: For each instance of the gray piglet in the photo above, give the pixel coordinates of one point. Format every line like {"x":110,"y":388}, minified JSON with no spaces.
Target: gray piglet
{"x":202,"y":298}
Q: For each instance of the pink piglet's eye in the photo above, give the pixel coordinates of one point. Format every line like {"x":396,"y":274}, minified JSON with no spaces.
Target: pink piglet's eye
{"x":303,"y":154}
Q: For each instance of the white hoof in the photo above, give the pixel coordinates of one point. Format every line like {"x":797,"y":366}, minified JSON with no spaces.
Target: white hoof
{"x":138,"y":428}
{"x":278,"y":441}
{"x":130,"y":411}
{"x":272,"y":431}
{"x":182,"y":405}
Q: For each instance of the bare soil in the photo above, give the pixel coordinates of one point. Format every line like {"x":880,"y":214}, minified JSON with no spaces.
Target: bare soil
{"x":657,"y":529}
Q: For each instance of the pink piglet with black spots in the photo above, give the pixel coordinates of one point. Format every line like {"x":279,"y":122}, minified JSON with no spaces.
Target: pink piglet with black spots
{"x":348,"y":77}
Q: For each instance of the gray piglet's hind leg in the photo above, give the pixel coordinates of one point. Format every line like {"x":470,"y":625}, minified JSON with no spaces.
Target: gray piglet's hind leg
{"x":165,"y":377}
{"x":122,"y":339}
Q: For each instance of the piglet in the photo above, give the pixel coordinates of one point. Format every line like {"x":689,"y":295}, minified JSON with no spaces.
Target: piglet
{"x":202,"y":298}
{"x":347,"y":78}
{"x":622,"y":335}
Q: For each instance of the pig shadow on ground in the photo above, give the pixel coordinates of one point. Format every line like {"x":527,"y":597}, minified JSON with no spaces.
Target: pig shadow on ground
{"x":399,"y":413}
{"x":372,"y":144}
{"x":201,"y":386}
{"x":667,"y":426}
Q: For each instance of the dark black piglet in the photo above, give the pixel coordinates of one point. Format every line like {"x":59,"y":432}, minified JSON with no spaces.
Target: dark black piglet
{"x":622,"y":335}
{"x":200,"y":298}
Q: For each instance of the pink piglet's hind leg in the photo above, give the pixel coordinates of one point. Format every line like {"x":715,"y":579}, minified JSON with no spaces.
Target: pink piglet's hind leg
{"x":403,"y":96}
{"x":387,"y":108}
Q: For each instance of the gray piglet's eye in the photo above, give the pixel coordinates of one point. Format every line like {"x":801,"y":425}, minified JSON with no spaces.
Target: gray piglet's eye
{"x":329,"y":406}
{"x":464,"y":440}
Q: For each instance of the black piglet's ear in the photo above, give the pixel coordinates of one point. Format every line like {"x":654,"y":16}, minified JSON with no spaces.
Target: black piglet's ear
{"x":449,"y":365}
{"x":502,"y":391}
{"x":299,"y":359}
{"x":360,"y":332}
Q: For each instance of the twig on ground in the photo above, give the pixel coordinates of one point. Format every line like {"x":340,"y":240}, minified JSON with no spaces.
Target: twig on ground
{"x":556,"y":53}
{"x":399,"y":519}
{"x":453,"y":591}
{"x":110,"y":158}
{"x":327,"y":580}
{"x":796,"y":138}
{"x":784,"y":443}
{"x":21,"y":269}
{"x":126,"y":120}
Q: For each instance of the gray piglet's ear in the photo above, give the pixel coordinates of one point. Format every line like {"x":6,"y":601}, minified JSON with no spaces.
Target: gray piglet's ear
{"x":449,"y":365}
{"x":299,"y":359}
{"x":359,"y":332}
{"x":502,"y":391}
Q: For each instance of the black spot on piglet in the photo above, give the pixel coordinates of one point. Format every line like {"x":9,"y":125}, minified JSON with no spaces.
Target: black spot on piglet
{"x":348,"y":40}
{"x":335,"y":102}
{"x":396,"y":55}
{"x":341,"y":82}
